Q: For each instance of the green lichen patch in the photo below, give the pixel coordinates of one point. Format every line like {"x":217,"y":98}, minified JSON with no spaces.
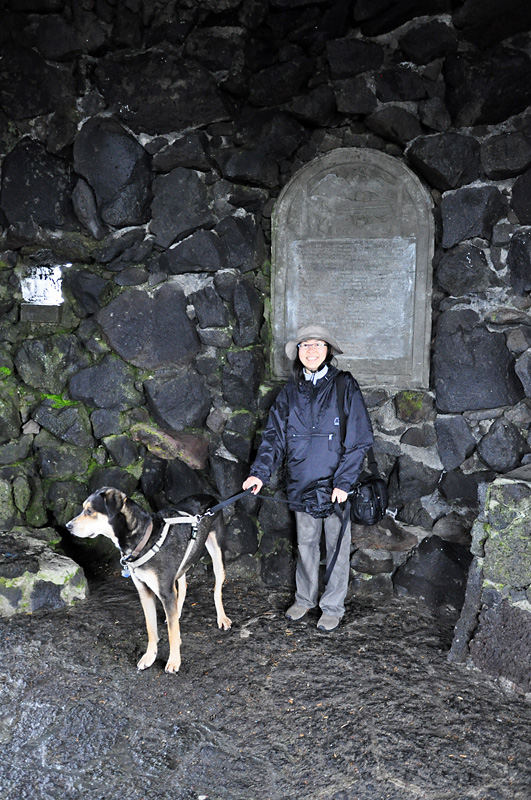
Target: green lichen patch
{"x":507,"y":546}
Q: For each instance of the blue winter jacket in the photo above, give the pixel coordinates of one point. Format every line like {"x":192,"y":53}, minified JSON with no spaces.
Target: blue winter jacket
{"x":303,"y":427}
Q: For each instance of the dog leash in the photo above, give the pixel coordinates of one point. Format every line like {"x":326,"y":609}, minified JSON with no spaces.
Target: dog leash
{"x":345,"y":516}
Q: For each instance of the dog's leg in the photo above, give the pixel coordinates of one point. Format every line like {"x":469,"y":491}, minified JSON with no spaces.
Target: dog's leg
{"x":170,"y":603}
{"x":147,"y":598}
{"x":219,"y":574}
{"x":181,"y":594}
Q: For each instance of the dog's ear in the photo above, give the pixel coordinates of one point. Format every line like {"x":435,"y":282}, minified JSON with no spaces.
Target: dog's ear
{"x":113,"y":501}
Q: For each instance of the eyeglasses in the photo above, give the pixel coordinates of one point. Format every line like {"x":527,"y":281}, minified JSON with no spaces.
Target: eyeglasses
{"x":307,"y":345}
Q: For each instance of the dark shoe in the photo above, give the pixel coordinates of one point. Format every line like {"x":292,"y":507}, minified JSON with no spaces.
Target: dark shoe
{"x":296,"y":612}
{"x":328,"y":623}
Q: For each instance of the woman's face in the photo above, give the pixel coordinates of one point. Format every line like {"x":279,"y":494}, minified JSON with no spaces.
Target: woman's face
{"x":312,"y":353}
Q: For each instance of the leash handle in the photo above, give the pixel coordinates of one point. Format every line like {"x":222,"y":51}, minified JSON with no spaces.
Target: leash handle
{"x":224,"y":503}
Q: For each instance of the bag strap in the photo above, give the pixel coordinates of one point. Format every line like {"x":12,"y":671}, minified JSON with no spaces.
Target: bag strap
{"x":340,"y":386}
{"x":371,"y":459}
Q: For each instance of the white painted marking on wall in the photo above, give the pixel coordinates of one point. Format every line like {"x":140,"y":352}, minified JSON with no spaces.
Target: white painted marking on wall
{"x":42,"y":286}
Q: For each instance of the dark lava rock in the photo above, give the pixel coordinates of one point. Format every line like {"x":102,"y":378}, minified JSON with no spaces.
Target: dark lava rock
{"x":116,"y":244}
{"x":89,"y":290}
{"x":120,"y":478}
{"x":434,"y":114}
{"x":190,"y":97}
{"x":241,"y":378}
{"x":243,"y":241}
{"x":502,"y":448}
{"x":37,"y":186}
{"x":86,"y":210}
{"x":355,"y":96}
{"x":180,"y":401}
{"x":9,"y":412}
{"x":65,"y":499}
{"x":473,"y":369}
{"x":151,"y":330}
{"x":523,"y":370}
{"x":398,"y":83}
{"x":518,"y":340}
{"x":105,"y":422}
{"x":237,"y":444}
{"x":350,"y":57}
{"x":242,"y":535}
{"x":189,"y":151}
{"x":424,"y":43}
{"x":519,"y":262}
{"x":280,"y":83}
{"x":29,"y":87}
{"x":316,"y":107}
{"x":203,"y":251}
{"x":446,"y":160}
{"x":181,"y":481}
{"x":482,"y":23}
{"x":70,"y":423}
{"x":280,"y":135}
{"x":227,"y":474}
{"x":394,"y":123}
{"x":381,"y":16}
{"x":520,"y":201}
{"x":470,"y":212}
{"x":180,"y":205}
{"x":109,"y":384}
{"x":415,"y":479}
{"x":487,"y":88}
{"x":419,"y":437}
{"x":463,"y":269}
{"x":59,"y":461}
{"x":502,"y":643}
{"x":454,"y":441}
{"x":456,"y":487}
{"x":505,"y":155}
{"x":57,"y":40}
{"x":252,"y":165}
{"x":248,"y":310}
{"x":117,"y":168}
{"x":48,"y":363}
{"x":209,"y":307}
{"x":436,"y":574}
{"x":121,"y":449}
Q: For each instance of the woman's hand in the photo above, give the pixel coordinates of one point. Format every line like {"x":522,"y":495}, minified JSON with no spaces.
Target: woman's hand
{"x":253,"y":482}
{"x":338,"y":496}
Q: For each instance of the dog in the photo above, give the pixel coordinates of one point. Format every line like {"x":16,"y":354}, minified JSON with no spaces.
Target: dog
{"x":158,"y":550}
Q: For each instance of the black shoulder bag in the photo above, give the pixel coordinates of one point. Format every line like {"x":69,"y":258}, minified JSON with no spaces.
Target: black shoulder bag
{"x":369,"y":498}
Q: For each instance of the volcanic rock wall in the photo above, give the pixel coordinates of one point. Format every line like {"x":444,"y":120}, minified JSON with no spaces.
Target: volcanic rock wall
{"x":143,"y":145}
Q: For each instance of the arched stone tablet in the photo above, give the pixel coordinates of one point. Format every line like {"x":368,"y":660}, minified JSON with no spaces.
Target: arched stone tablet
{"x":352,"y":249}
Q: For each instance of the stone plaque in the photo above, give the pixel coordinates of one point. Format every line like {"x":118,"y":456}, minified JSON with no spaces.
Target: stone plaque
{"x":352,"y":250}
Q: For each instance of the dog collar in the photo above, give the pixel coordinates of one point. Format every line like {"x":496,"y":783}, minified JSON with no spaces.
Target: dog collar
{"x":184,"y":519}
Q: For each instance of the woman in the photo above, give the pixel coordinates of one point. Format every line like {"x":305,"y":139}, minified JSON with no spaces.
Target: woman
{"x":304,"y":428}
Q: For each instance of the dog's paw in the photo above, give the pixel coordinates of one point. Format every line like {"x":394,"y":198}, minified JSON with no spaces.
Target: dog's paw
{"x":173,"y":665}
{"x":146,"y":661}
{"x":224,"y":623}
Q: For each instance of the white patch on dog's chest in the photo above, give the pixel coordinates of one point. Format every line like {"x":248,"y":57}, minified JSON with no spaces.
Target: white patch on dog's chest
{"x":147,"y":577}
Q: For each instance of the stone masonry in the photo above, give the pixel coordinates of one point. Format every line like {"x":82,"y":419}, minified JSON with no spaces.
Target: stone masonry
{"x":143,"y":146}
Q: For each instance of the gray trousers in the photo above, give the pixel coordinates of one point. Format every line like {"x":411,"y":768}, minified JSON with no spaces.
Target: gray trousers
{"x":309,"y":532}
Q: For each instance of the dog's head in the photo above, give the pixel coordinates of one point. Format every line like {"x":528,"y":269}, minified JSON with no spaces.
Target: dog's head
{"x":99,"y":514}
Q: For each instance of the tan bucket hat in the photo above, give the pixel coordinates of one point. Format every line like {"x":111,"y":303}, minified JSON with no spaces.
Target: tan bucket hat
{"x":311,"y":332}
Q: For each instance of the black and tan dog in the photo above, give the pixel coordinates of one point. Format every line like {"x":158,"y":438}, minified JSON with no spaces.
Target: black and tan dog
{"x":157,"y":551}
